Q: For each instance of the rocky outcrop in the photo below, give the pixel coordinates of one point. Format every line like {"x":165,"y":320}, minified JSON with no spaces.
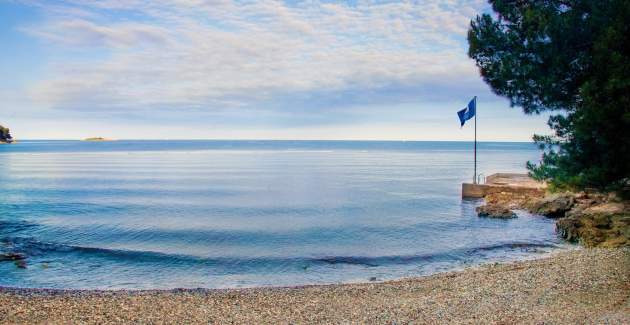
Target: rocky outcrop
{"x":500,"y":204}
{"x":18,"y":259}
{"x":597,"y":221}
{"x":591,"y":219}
{"x":11,"y":257}
{"x":5,"y":135}
{"x":553,"y":206}
{"x":495,"y":211}
{"x":603,"y":230}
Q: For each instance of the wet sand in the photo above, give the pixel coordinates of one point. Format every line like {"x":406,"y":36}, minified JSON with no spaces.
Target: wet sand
{"x":574,"y":286}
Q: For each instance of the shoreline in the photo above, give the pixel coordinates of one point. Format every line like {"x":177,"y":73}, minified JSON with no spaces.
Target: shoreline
{"x":470,"y":267}
{"x":548,"y":250}
{"x":594,"y":284}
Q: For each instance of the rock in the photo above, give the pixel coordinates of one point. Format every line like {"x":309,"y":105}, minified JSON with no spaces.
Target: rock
{"x":577,"y":210}
{"x":613,"y":197}
{"x":553,"y":206}
{"x":511,"y":200}
{"x":591,"y":218}
{"x":601,"y":221}
{"x":596,"y":230}
{"x":575,"y":229}
{"x":495,"y":211}
{"x":581,"y":195}
{"x":606,"y":208}
{"x":21,"y":264}
{"x":568,"y":228}
{"x":12,"y":257}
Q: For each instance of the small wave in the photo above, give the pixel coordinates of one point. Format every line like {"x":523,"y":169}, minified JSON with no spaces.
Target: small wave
{"x":511,"y":245}
{"x":31,"y":247}
{"x":419,"y":258}
{"x":36,"y":208}
{"x":14,"y":226}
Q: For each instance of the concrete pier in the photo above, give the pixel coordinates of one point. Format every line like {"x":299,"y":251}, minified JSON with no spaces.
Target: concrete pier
{"x":504,"y":182}
{"x":474,"y":190}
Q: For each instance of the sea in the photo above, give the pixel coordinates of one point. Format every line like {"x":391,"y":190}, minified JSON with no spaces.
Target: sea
{"x":233,"y":214}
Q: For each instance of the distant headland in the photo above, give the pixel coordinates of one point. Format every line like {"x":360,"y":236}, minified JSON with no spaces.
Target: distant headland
{"x":5,"y":136}
{"x":97,"y":139}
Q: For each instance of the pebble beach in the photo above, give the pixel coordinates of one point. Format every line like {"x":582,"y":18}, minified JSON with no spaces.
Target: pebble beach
{"x":567,"y":287}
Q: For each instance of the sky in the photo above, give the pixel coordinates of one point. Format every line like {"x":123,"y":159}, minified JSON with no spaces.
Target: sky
{"x":221,"y":69}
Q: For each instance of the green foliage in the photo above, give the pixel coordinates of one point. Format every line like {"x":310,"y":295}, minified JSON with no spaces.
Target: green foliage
{"x":5,"y":136}
{"x":569,"y":57}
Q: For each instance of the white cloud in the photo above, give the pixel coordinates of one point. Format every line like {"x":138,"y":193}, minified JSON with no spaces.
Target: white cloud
{"x":193,"y":53}
{"x":85,"y":33}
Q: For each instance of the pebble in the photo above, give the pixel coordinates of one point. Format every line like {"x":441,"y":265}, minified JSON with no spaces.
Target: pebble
{"x":568,"y":287}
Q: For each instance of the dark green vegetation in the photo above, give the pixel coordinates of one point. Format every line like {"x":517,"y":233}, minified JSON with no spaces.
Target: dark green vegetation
{"x":5,"y":136}
{"x":570,"y":58}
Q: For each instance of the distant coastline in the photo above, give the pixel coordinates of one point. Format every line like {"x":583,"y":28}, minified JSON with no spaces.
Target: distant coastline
{"x":98,"y":139}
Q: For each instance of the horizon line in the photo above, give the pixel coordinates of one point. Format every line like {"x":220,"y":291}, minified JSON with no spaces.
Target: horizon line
{"x":244,"y":139}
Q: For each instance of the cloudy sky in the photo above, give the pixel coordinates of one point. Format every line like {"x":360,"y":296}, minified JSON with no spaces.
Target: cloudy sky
{"x":177,"y":69}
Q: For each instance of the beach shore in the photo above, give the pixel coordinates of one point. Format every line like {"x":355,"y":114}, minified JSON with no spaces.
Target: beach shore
{"x":573,"y":286}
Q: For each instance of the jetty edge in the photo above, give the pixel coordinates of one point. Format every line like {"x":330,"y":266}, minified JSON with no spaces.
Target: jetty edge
{"x":514,"y":183}
{"x":590,"y":218}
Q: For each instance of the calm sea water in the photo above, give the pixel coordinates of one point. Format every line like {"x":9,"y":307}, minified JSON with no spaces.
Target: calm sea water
{"x":165,"y":214}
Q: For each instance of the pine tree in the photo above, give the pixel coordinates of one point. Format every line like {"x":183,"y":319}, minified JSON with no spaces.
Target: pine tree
{"x":571,"y":58}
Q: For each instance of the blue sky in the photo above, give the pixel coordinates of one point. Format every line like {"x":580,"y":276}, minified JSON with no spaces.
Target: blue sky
{"x":180,"y":69}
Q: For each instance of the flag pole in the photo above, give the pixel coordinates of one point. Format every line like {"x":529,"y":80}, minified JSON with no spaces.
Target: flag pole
{"x":475,"y":177}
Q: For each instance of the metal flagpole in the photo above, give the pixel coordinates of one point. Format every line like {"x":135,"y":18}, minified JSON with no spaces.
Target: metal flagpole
{"x":475,"y":177}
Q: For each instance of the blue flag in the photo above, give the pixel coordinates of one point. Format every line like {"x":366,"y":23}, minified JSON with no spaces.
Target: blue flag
{"x":468,"y":112}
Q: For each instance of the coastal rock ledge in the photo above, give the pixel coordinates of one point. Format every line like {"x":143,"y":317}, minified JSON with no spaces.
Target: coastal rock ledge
{"x":591,"y":219}
{"x":606,"y":224}
{"x":553,"y":206}
{"x":495,"y":211}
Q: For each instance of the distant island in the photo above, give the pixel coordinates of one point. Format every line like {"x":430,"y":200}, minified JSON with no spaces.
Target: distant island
{"x":97,"y":139}
{"x":5,"y":136}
